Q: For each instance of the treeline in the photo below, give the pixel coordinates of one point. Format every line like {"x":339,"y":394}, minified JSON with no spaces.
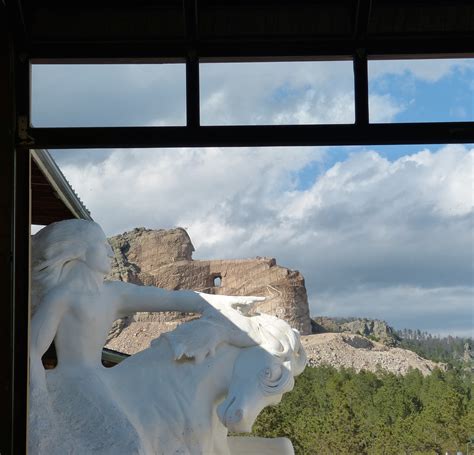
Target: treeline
{"x":453,"y":350}
{"x":344,"y":412}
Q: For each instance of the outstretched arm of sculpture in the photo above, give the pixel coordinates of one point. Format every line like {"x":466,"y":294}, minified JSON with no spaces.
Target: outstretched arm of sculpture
{"x":216,"y":308}
{"x":133,"y":298}
{"x":44,"y":325}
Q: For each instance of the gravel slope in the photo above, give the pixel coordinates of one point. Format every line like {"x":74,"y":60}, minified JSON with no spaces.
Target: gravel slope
{"x":354,"y":351}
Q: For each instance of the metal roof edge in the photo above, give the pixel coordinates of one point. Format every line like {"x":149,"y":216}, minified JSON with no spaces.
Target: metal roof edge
{"x":58,"y":181}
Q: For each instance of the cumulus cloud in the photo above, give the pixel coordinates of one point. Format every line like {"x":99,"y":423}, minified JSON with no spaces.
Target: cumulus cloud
{"x":384,"y":108}
{"x":163,"y":187}
{"x":232,"y":93}
{"x":420,"y":90}
{"x":430,"y":70}
{"x":284,"y":93}
{"x":108,"y":95}
{"x":372,"y":236}
{"x":277,"y":93}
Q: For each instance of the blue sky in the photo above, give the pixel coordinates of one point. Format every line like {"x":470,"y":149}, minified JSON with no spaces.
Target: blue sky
{"x":381,"y":232}
{"x":449,"y":98}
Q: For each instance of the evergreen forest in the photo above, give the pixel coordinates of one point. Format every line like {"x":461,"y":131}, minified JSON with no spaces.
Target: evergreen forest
{"x":455,"y":351}
{"x":343,"y":412}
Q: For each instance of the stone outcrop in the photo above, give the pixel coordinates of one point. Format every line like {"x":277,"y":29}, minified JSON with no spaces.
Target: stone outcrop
{"x":163,"y":258}
{"x":354,"y":351}
{"x":372,"y":328}
{"x":379,"y":330}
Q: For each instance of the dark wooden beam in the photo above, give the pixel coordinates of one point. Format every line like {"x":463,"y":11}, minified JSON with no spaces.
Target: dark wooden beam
{"x":192,"y":64}
{"x":21,"y":266}
{"x":14,"y":243}
{"x":21,"y":227}
{"x":361,"y":78}
{"x":21,"y":252}
{"x":7,"y":142}
{"x":361,"y":87}
{"x":253,"y":136}
{"x":248,"y":50}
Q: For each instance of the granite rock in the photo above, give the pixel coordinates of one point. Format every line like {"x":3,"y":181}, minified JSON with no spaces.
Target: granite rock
{"x":163,"y":258}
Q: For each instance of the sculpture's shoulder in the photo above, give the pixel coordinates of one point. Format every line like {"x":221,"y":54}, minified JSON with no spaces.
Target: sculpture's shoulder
{"x":119,"y":292}
{"x":55,"y":300}
{"x":59,"y":293}
{"x":117,"y":287}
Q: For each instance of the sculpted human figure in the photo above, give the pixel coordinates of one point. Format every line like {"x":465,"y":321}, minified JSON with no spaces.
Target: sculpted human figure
{"x":75,"y":307}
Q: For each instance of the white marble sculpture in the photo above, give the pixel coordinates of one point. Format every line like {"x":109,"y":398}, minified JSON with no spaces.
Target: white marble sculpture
{"x":181,"y":395}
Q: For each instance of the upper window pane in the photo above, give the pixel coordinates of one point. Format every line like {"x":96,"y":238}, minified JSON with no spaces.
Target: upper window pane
{"x":435,"y":90}
{"x":108,"y":95}
{"x":277,"y":93}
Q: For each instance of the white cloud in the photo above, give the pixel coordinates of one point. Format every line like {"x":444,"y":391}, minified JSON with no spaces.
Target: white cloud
{"x":277,"y":93}
{"x":384,"y":108}
{"x":425,"y":70}
{"x":378,"y":230}
{"x":373,"y":236}
{"x":243,"y":93}
{"x":160,"y":188}
{"x":108,"y":95}
{"x":285,"y":93}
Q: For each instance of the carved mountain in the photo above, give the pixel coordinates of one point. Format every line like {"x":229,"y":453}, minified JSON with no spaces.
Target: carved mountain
{"x":163,"y":258}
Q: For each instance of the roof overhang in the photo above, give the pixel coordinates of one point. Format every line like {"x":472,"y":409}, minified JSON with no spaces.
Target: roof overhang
{"x":53,"y":198}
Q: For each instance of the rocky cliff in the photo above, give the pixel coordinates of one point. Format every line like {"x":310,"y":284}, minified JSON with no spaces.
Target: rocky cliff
{"x":371,"y":328}
{"x":163,"y":258}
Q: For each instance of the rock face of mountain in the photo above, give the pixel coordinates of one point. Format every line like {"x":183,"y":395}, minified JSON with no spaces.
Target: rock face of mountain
{"x":360,"y":353}
{"x":372,"y":328}
{"x":163,"y":258}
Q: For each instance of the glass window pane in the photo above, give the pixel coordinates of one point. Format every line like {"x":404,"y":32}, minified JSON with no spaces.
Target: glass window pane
{"x":277,"y":93}
{"x":108,"y":95}
{"x":436,"y":90}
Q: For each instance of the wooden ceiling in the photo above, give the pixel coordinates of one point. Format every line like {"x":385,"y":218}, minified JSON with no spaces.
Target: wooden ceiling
{"x":226,"y":29}
{"x":46,"y":206}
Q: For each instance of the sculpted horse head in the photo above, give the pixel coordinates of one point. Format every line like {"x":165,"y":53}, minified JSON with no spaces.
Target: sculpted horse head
{"x":187,"y":404}
{"x":262,"y":374}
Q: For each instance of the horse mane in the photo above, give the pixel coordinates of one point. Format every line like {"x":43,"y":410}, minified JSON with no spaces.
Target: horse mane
{"x":271,"y":333}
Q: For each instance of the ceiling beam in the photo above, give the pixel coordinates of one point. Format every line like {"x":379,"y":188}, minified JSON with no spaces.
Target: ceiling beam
{"x":276,"y":50}
{"x":253,"y":136}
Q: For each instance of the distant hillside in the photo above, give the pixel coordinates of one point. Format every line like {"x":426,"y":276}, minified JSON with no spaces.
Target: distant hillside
{"x":456,"y":351}
{"x":347,"y":350}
